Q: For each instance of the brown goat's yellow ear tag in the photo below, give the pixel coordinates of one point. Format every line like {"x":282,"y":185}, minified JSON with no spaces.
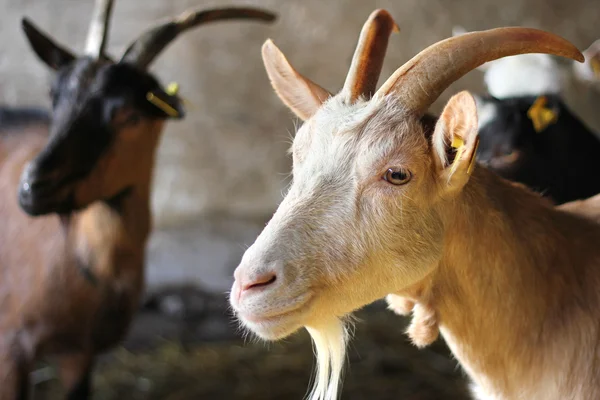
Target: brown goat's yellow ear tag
{"x":540,"y":115}
{"x":154,"y":99}
{"x":173,"y":90}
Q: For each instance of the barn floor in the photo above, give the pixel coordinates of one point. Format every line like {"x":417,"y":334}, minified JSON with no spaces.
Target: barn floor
{"x":187,"y":365}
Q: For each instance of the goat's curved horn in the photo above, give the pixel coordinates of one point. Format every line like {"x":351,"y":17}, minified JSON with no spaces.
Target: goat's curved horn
{"x":98,"y":32}
{"x":369,"y":55}
{"x":145,"y":49}
{"x":420,"y":81}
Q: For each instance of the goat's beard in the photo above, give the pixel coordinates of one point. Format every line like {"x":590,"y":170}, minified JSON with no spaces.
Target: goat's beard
{"x":330,"y":338}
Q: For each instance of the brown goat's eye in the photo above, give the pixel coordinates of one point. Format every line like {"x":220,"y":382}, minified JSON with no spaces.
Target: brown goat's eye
{"x":397,"y":176}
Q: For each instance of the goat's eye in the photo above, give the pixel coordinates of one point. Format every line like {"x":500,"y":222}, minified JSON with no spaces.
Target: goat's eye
{"x":397,"y":176}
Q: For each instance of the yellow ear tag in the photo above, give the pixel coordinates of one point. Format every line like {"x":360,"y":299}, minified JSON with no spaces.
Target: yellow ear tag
{"x":173,"y":89}
{"x":595,"y":64}
{"x":472,"y":160}
{"x":457,"y":143}
{"x":152,"y":98}
{"x":540,"y":115}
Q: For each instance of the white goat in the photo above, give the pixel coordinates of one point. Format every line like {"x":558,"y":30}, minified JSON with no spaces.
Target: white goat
{"x":535,"y":74}
{"x":379,"y":204}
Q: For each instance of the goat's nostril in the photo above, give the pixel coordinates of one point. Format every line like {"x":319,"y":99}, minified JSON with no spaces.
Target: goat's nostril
{"x":261,"y":281}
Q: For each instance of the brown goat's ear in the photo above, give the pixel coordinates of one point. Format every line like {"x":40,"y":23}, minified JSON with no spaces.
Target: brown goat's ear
{"x":299,"y":93}
{"x":455,"y":141}
{"x":45,"y":48}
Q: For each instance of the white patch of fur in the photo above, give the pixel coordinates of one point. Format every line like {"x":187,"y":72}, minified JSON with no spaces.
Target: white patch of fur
{"x":479,"y":394}
{"x":486,"y":112}
{"x":584,"y":71}
{"x":524,"y":75}
{"x":330,"y":340}
{"x":440,"y":142}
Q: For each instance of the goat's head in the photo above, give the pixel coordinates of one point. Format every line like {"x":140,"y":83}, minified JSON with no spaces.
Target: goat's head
{"x":512,"y":142}
{"x":107,"y":116}
{"x":364,"y":214}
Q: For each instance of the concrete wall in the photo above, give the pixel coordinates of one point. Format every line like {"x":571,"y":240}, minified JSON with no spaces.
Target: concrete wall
{"x":220,"y":172}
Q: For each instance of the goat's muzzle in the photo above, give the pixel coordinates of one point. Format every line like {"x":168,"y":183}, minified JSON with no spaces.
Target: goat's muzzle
{"x":40,"y":194}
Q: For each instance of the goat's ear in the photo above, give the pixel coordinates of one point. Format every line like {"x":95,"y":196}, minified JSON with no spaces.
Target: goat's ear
{"x":455,"y":141}
{"x":299,"y":93}
{"x":46,"y":49}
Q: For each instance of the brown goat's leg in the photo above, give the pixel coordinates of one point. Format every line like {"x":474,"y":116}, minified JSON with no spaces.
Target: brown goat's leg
{"x":14,"y":377}
{"x":76,"y":375}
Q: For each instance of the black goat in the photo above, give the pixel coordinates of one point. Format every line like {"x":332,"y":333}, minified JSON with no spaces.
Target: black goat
{"x":537,"y":141}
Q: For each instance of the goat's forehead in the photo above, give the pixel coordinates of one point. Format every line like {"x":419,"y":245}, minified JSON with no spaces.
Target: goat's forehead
{"x":364,"y":133}
{"x":102,"y":78}
{"x":337,"y":117}
{"x":80,"y":75}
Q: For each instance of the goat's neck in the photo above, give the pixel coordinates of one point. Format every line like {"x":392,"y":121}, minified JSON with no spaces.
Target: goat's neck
{"x":133,"y":206}
{"x":109,"y":237}
{"x":511,"y":281}
{"x":135,"y":212}
{"x":130,"y":207}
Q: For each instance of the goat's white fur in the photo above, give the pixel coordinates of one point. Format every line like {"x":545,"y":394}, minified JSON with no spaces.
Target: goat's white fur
{"x":338,"y":249}
{"x":457,"y":244}
{"x":330,"y":339}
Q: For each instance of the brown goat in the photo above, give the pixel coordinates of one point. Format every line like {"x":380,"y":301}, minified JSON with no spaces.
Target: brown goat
{"x":73,"y":275}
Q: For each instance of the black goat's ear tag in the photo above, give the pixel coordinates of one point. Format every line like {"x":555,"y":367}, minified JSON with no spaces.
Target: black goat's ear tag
{"x":170,"y":104}
{"x":540,"y":115}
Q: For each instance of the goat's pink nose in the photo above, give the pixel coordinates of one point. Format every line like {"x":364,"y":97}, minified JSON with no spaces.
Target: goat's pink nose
{"x":257,"y":281}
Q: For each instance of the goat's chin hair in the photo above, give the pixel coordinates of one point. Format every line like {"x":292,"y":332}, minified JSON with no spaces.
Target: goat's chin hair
{"x":330,"y":338}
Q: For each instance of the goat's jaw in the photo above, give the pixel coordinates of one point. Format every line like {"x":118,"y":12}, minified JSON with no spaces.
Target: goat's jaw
{"x":273,"y":328}
{"x":270,"y":316}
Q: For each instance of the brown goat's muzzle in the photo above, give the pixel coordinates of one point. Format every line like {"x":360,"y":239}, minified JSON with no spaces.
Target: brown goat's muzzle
{"x":43,"y":193}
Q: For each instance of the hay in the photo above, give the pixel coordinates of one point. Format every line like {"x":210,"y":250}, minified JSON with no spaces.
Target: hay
{"x":383,"y":365}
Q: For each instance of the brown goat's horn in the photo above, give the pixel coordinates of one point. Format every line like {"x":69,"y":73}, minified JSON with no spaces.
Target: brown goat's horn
{"x":98,"y":32}
{"x":369,"y":55}
{"x":420,"y":81}
{"x":145,"y":49}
